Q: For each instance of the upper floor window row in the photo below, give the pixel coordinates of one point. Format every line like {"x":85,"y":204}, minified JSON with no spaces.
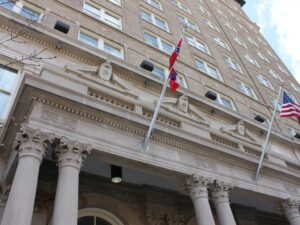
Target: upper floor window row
{"x":185,"y":21}
{"x":101,"y":43}
{"x":154,"y":19}
{"x":181,"y":6}
{"x":102,"y":14}
{"x":191,"y":40}
{"x":155,"y":3}
{"x":23,"y":8}
{"x":159,"y":43}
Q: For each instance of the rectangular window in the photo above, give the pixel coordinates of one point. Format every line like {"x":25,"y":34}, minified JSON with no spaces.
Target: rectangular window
{"x":208,"y":69}
{"x":186,"y":21}
{"x":203,"y":10}
{"x":240,"y":42}
{"x":211,"y":25}
{"x":160,"y":71}
{"x":155,"y":3}
{"x":103,"y":15}
{"x":155,"y":20}
{"x":197,"y":44}
{"x":264,"y":81}
{"x":251,"y":60}
{"x":8,"y":83}
{"x":159,"y":43}
{"x":221,"y":43}
{"x":116,"y":2}
{"x":275,"y":75}
{"x":182,"y":6}
{"x":23,"y":8}
{"x":224,"y":101}
{"x":233,"y":64}
{"x":101,"y":43}
{"x":246,"y":89}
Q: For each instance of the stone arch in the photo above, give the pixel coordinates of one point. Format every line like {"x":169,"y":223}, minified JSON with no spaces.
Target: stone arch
{"x":100,"y":213}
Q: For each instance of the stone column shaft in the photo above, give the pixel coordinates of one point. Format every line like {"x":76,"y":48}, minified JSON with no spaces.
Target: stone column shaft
{"x":291,"y":210}
{"x":31,"y":147}
{"x":70,"y":155}
{"x":197,"y":188}
{"x":220,"y":194}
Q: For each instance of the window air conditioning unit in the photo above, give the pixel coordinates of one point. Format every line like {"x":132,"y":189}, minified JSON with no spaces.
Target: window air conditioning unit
{"x":147,"y":65}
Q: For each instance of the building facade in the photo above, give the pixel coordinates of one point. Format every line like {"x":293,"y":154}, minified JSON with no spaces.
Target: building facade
{"x":75,"y":104}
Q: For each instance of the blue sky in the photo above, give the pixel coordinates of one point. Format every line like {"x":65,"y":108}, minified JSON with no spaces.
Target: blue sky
{"x":279,"y":23}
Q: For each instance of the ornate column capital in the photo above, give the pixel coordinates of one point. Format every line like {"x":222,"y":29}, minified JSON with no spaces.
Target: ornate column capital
{"x":290,"y":208}
{"x":71,"y":153}
{"x":196,"y":186}
{"x":220,"y":191}
{"x":32,"y":142}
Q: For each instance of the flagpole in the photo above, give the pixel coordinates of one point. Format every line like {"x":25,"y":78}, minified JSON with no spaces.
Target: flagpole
{"x":268,"y":136}
{"x":163,"y":92}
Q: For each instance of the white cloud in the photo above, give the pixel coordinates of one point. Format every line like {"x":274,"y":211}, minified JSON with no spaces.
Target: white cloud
{"x":283,"y":16}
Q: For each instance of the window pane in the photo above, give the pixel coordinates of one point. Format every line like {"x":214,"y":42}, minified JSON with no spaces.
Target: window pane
{"x":8,"y":78}
{"x":151,"y":40}
{"x":8,"y":4}
{"x":3,"y":102}
{"x":160,"y":23}
{"x":167,"y":47}
{"x":226,"y":103}
{"x":200,"y":65}
{"x":213,"y":72}
{"x":112,"y":20}
{"x":100,"y":221}
{"x":91,"y":10}
{"x":146,"y":16}
{"x":155,"y":4}
{"x":86,"y":220}
{"x":88,"y":40}
{"x":159,"y":72}
{"x":29,"y":13}
{"x":112,"y":49}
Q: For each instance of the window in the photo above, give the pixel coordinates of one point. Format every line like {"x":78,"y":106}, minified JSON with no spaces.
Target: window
{"x":208,"y":69}
{"x":263,"y":57}
{"x":230,"y":27}
{"x":23,"y":8}
{"x":278,"y":106}
{"x":222,"y":13}
{"x":243,"y":28}
{"x":155,"y":20}
{"x":190,"y":24}
{"x":159,"y":43}
{"x":271,"y":54}
{"x":94,"y":216}
{"x":292,"y":132}
{"x":295,"y":87}
{"x":100,"y":43}
{"x":221,"y":43}
{"x":283,"y":70}
{"x":181,"y":6}
{"x":246,"y":89}
{"x":252,"y":41}
{"x":275,"y":75}
{"x":240,"y":42}
{"x":160,"y":71}
{"x":197,"y":44}
{"x":264,"y":81}
{"x":116,"y":2}
{"x":211,"y":25}
{"x":8,"y":83}
{"x":233,"y":64}
{"x":154,"y":3}
{"x":251,"y":60}
{"x":103,"y":14}
{"x":224,"y":101}
{"x":203,"y":10}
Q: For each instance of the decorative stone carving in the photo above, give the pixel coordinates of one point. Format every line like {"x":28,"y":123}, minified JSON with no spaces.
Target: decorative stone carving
{"x":71,"y":153}
{"x":59,"y":119}
{"x":105,"y":71}
{"x":220,"y":191}
{"x":183,"y":103}
{"x":156,"y":217}
{"x":239,"y":131}
{"x":196,"y":186}
{"x":32,"y":142}
{"x":290,"y":208}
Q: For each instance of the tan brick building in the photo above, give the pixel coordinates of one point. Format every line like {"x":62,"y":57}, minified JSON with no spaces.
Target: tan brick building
{"x":72,"y":92}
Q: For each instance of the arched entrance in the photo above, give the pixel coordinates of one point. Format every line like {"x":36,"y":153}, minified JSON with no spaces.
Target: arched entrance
{"x":95,"y":216}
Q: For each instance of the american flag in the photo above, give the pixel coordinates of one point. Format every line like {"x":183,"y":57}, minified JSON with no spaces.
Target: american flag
{"x":289,"y":107}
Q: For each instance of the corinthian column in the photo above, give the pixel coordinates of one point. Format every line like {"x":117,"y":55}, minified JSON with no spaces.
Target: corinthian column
{"x":31,"y":146}
{"x":196,"y":186}
{"x":220,"y":195}
{"x":70,"y":155}
{"x":291,"y":211}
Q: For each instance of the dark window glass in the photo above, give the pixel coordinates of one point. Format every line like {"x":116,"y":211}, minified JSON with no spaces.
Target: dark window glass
{"x":100,"y":221}
{"x":87,"y":220}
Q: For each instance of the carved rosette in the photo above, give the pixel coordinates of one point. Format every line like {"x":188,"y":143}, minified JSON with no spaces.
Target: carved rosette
{"x":196,"y":186}
{"x":71,"y":153}
{"x":220,"y":191}
{"x":290,"y":208}
{"x":32,"y":142}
